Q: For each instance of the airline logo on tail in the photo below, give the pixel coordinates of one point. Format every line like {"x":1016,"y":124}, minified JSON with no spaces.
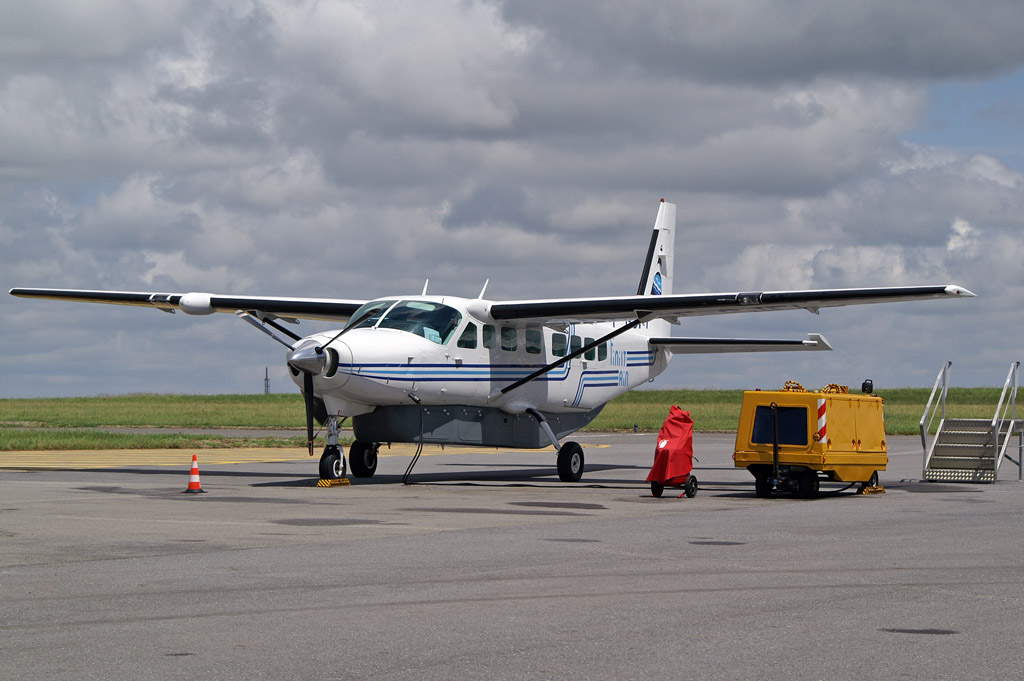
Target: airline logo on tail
{"x":656,"y":287}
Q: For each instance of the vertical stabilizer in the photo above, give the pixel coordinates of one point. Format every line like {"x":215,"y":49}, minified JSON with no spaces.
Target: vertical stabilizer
{"x":656,"y":279}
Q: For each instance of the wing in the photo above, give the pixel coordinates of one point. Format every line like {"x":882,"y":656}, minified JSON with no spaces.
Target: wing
{"x":701,"y":304}
{"x":329,"y":309}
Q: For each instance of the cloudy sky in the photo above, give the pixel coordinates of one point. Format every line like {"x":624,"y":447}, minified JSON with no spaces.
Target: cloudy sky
{"x":355,"y":149}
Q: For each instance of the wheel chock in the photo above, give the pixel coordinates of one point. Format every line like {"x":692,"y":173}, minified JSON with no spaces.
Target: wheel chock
{"x":876,"y":489}
{"x":337,"y":482}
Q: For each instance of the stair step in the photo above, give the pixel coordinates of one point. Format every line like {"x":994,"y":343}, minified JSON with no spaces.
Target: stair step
{"x":961,"y":437}
{"x":964,"y":462}
{"x":973,"y":450}
{"x":959,"y":475}
{"x":968,"y":425}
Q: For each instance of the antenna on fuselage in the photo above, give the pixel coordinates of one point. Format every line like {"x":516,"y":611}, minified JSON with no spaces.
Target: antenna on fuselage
{"x":425,"y":285}
{"x":483,"y":290}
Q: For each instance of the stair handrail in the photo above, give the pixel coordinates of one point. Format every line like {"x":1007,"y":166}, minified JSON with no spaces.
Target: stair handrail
{"x":1000,"y":419}
{"x":929,"y":413}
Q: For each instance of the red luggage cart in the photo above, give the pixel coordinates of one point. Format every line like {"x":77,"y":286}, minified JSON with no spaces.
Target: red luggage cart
{"x":673,"y":457}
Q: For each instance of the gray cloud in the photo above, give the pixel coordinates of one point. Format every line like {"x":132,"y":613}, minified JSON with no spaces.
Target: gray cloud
{"x":770,"y":42}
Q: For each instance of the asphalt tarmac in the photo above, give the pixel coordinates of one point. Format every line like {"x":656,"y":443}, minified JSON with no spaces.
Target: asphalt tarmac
{"x":488,"y":567}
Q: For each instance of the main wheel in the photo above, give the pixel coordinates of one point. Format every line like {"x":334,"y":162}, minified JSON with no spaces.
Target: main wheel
{"x":807,"y":485}
{"x":362,"y":457}
{"x":657,"y":488}
{"x":332,"y":464}
{"x":762,"y":486}
{"x":570,"y":462}
{"x":690,"y":488}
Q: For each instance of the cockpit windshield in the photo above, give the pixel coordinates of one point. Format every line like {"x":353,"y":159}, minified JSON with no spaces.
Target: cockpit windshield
{"x":369,"y":314}
{"x":433,"y":321}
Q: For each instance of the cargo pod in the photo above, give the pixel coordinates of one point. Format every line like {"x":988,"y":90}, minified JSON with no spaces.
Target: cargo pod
{"x":790,"y":439}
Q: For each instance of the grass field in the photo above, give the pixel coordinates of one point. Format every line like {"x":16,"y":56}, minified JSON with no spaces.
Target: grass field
{"x":38,"y":424}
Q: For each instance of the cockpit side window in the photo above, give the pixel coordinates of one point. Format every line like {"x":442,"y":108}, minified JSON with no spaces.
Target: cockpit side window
{"x":490,"y":338}
{"x":433,"y":321}
{"x":468,"y":337}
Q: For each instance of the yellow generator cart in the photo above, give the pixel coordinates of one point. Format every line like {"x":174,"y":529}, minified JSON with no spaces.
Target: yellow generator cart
{"x":792,"y":438}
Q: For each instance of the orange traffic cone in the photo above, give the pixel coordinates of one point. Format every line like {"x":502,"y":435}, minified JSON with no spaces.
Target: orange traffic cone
{"x":193,"y":478}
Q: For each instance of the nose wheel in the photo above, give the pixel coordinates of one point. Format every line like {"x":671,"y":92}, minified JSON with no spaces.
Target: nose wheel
{"x":332,"y":464}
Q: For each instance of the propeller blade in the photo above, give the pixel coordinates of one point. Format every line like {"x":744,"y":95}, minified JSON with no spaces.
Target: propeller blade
{"x":307,"y":391}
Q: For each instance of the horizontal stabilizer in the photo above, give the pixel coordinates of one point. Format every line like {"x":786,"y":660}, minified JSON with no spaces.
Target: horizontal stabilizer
{"x":694,"y":346}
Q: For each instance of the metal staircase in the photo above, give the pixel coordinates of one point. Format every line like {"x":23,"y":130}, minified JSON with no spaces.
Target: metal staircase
{"x":971,"y":450}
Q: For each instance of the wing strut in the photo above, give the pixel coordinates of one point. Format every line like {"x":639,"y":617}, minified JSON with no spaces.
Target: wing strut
{"x":248,"y":317}
{"x":571,"y":356}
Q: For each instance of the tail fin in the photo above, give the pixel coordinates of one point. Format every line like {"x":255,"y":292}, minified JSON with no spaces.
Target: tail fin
{"x":656,"y":279}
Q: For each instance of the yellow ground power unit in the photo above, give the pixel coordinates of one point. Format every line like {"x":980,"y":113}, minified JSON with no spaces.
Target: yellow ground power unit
{"x":790,"y":439}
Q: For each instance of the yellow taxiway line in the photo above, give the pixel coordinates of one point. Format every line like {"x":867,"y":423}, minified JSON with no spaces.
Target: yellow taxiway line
{"x":124,"y":458}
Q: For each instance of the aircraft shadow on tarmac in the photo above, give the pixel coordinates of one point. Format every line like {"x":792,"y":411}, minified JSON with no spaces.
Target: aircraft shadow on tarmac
{"x":497,"y":475}
{"x":483,"y":474}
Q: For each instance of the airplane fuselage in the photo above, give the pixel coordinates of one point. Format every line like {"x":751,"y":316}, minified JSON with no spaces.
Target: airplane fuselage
{"x":447,"y":351}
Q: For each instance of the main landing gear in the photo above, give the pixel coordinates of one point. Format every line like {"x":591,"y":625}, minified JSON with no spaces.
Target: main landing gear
{"x":362,"y":456}
{"x":570,"y":462}
{"x":570,"y":455}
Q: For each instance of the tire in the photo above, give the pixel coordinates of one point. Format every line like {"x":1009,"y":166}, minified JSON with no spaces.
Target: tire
{"x":362,"y":458}
{"x":690,"y":488}
{"x":762,"y":486}
{"x":807,"y":486}
{"x":570,"y":462}
{"x":657,"y":488}
{"x":332,"y":464}
{"x":873,"y":480}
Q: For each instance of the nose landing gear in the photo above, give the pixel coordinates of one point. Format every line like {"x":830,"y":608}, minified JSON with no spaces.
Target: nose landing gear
{"x":332,"y":461}
{"x":332,"y":464}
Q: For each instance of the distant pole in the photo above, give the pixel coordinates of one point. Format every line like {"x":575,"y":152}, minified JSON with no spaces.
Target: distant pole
{"x":266,"y":380}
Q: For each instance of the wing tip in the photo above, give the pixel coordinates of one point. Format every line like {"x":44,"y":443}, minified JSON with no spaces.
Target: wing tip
{"x":818,"y":341}
{"x":959,"y":291}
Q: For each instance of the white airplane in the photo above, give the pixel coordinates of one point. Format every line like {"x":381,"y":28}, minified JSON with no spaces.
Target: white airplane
{"x":523,"y":373}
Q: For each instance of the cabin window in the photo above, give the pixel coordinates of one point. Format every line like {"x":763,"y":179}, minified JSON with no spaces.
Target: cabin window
{"x":792,"y":425}
{"x":468,"y":337}
{"x":575,"y":344}
{"x":602,"y":352}
{"x":490,"y":338}
{"x":534,"y":341}
{"x":509,"y":338}
{"x":592,"y":352}
{"x":433,"y":321}
{"x":559,"y":344}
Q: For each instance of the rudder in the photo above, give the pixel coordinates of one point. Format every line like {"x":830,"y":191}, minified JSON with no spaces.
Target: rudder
{"x":656,"y":279}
